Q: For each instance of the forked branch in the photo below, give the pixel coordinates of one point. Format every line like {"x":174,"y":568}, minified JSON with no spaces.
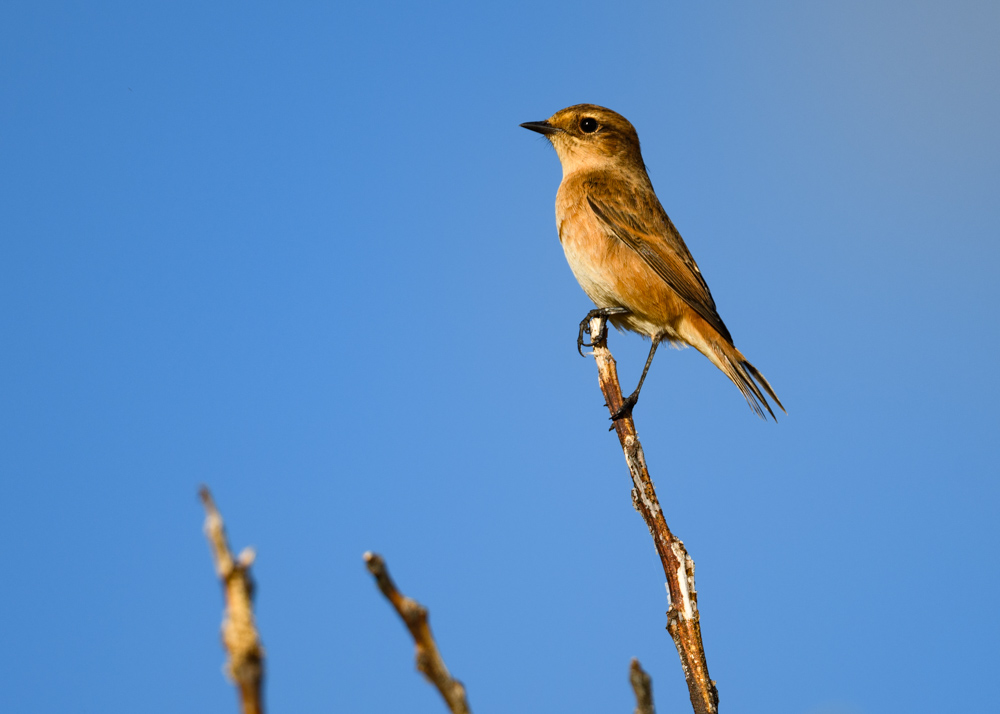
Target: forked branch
{"x":414,"y":616}
{"x":239,"y":631}
{"x":682,"y":615}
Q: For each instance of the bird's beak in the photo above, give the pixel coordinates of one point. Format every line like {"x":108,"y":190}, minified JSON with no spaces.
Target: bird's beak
{"x":542,"y":127}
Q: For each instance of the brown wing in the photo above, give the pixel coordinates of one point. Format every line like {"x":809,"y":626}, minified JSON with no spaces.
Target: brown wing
{"x":638,"y":220}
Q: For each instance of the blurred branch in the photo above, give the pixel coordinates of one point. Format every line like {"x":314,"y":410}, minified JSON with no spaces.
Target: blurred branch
{"x":682,"y":614}
{"x":414,"y":616}
{"x":642,"y":685}
{"x":239,"y":632}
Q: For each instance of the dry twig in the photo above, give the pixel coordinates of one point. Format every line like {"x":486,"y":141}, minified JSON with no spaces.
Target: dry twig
{"x":414,"y":616}
{"x":682,"y":615}
{"x":642,"y":685}
{"x":239,"y":632}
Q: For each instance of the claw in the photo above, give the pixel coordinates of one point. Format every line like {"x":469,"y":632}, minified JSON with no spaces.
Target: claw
{"x":580,"y":343}
{"x":625,"y":410}
{"x":603,"y":313}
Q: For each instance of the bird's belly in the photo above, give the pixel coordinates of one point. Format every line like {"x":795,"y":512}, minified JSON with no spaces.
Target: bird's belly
{"x":612,"y":275}
{"x":589,"y":271}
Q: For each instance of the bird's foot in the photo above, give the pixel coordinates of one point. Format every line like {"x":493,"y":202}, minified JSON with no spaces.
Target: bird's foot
{"x":602,"y":312}
{"x":625,"y":410}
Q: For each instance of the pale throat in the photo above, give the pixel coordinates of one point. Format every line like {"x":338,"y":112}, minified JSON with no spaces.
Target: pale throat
{"x":575,"y":158}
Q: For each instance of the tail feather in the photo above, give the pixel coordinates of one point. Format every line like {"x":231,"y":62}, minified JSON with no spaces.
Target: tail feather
{"x":764,"y":383}
{"x":721,"y":352}
{"x":745,"y":376}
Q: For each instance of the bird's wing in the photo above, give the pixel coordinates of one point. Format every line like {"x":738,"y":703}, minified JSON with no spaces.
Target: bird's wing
{"x":638,"y":220}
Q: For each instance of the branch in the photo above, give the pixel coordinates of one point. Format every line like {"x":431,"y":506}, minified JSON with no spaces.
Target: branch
{"x":239,"y":632}
{"x":414,"y":616}
{"x":682,"y":615}
{"x":642,"y":685}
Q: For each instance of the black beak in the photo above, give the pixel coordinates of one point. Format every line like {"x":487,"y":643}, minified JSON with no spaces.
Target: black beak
{"x":542,"y":127}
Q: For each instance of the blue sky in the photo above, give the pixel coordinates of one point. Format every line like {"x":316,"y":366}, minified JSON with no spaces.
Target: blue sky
{"x":304,"y":254}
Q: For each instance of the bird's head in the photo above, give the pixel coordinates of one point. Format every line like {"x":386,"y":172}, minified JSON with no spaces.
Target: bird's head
{"x":588,"y":137}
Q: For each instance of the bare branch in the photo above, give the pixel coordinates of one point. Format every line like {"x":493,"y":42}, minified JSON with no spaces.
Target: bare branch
{"x":642,"y":685}
{"x":239,"y":631}
{"x":682,"y":615}
{"x":414,"y":616}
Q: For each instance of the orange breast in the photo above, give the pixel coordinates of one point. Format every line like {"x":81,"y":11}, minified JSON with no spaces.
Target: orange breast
{"x":610,"y":272}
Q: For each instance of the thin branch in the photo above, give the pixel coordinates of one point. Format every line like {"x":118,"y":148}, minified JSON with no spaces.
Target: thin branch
{"x":239,"y":631}
{"x":642,"y":685}
{"x":414,"y":616}
{"x":682,"y":615}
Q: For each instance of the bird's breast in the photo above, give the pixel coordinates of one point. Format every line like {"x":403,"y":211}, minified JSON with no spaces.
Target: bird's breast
{"x":610,"y":272}
{"x":587,"y":250}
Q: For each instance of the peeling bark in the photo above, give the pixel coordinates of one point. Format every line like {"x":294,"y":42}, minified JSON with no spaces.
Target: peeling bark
{"x":678,"y":567}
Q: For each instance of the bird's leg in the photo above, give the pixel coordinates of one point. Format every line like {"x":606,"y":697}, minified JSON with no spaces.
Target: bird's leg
{"x":602,"y":312}
{"x":626,"y":408}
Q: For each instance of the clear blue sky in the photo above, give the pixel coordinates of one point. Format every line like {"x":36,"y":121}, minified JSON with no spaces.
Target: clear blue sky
{"x":303,"y":253}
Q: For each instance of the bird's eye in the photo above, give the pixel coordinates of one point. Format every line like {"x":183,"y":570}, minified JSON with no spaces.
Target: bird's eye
{"x":588,"y":125}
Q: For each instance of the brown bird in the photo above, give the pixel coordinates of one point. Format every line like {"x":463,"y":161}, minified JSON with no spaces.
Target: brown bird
{"x":626,"y":253}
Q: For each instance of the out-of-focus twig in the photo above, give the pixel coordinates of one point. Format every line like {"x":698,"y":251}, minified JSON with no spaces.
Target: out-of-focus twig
{"x":642,"y":685}
{"x":239,"y":631}
{"x":683,"y":621}
{"x":414,"y":616}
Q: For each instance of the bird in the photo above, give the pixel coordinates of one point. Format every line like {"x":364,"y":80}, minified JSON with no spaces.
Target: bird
{"x":626,"y":253}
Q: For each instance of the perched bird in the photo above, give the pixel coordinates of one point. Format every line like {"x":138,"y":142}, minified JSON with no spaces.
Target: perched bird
{"x":626,"y":253}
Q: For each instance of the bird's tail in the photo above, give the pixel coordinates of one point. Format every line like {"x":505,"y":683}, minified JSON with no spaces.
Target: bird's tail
{"x":743,"y":374}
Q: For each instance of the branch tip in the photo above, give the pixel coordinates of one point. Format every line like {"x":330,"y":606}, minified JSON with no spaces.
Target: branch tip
{"x":239,"y":630}
{"x":642,"y":686}
{"x":414,"y":616}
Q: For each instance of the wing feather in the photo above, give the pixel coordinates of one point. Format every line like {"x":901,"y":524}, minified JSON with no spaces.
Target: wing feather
{"x":640,"y":222}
